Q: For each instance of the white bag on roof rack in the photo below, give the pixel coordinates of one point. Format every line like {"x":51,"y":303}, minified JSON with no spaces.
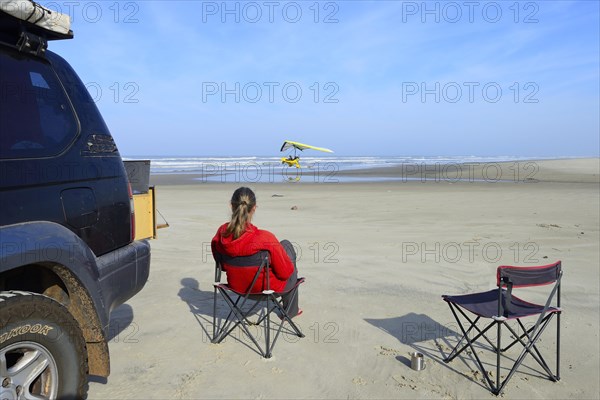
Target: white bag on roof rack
{"x":30,"y":11}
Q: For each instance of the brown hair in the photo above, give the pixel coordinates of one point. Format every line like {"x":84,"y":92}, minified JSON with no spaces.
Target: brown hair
{"x":243,"y":201}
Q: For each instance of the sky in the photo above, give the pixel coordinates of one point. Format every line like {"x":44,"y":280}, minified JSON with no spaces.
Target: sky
{"x":364,"y":78}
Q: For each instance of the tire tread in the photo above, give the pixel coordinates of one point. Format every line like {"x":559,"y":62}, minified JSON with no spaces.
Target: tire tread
{"x":15,"y":305}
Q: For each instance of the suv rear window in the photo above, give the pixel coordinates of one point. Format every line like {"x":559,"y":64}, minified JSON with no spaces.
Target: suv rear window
{"x":36,"y":117}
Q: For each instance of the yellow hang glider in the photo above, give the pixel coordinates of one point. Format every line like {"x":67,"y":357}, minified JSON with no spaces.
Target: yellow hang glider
{"x":294,"y":161}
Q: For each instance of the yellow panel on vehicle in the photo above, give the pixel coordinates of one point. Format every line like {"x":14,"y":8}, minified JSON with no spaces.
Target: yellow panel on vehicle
{"x":145,"y":215}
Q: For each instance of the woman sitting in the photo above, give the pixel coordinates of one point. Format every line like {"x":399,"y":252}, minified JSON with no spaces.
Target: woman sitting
{"x":239,"y":237}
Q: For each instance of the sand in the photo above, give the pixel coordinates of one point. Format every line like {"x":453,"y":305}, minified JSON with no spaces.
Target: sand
{"x":377,"y":257}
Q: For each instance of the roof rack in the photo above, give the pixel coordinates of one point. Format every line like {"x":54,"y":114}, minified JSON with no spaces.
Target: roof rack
{"x":28,"y":26}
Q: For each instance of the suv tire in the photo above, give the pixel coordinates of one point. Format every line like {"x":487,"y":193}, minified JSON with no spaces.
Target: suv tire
{"x":42,"y":350}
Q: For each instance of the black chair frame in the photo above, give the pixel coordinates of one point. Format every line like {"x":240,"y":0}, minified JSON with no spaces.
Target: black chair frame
{"x":236,"y":300}
{"x":509,"y":308}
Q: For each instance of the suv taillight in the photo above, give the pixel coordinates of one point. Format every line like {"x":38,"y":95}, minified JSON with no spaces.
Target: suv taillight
{"x":132,"y":212}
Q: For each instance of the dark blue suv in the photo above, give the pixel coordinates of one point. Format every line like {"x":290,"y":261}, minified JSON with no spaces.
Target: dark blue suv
{"x":67,"y":250}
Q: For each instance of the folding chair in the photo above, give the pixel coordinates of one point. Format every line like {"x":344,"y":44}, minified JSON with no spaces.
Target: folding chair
{"x":501,"y":306}
{"x":243,"y":304}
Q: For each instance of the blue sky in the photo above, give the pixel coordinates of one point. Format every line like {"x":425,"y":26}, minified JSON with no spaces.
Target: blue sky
{"x":359,"y":77}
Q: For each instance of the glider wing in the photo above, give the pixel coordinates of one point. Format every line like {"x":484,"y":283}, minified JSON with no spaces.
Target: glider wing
{"x":288,"y":144}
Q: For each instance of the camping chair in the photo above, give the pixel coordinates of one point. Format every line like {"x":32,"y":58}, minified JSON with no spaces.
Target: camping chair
{"x":243,"y":304}
{"x":501,"y":306}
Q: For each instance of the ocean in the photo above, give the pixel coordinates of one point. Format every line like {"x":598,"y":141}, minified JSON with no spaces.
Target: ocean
{"x":314,"y":169}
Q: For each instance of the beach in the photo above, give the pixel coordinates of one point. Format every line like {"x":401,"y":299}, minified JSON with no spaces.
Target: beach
{"x":377,"y":255}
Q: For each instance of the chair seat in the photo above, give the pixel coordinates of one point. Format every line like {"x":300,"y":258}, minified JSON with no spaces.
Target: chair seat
{"x":258,"y":294}
{"x":485,"y":304}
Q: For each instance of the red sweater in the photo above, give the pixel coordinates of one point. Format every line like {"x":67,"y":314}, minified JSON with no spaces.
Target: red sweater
{"x":250,"y":242}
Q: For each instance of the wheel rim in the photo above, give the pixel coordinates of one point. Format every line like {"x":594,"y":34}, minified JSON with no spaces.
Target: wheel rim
{"x":27,"y":371}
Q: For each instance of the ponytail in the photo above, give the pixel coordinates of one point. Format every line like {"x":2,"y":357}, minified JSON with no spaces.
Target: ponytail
{"x":242,"y":203}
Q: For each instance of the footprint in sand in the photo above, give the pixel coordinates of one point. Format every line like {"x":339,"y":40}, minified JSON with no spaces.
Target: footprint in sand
{"x":359,"y":381}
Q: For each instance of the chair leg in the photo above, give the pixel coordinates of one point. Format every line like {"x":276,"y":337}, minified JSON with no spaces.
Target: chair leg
{"x":239,"y":317}
{"x":214,"y":337}
{"x":268,"y":330}
{"x":558,"y":347}
{"x":218,"y":330}
{"x":470,"y":345}
{"x":287,"y":315}
{"x":539,"y":358}
{"x":496,"y":390}
{"x":527,"y":350}
{"x":457,"y":349}
{"x":275,"y":304}
{"x":527,"y":346}
{"x":224,"y":330}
